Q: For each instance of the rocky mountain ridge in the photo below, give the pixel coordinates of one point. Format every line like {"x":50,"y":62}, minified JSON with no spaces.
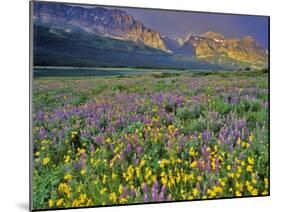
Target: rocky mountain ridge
{"x":210,"y":46}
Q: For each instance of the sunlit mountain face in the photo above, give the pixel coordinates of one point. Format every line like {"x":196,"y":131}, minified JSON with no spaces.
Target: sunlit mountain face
{"x":108,"y":31}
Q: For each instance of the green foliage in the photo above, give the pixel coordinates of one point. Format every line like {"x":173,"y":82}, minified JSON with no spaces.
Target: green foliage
{"x":94,"y":137}
{"x":219,"y":105}
{"x":194,"y":112}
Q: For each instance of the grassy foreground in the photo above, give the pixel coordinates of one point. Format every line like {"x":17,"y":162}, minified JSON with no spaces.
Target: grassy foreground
{"x":149,"y":138}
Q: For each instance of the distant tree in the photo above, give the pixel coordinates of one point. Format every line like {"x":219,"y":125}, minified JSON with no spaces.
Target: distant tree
{"x":247,"y":69}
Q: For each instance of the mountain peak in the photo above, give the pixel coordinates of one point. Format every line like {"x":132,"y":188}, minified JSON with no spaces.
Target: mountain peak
{"x":215,"y":48}
{"x":248,"y":39}
{"x":213,"y":35}
{"x":114,"y":23}
{"x":118,"y":24}
{"x":179,"y":40}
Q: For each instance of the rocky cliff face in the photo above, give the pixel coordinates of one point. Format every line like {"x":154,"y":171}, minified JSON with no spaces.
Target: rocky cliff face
{"x":210,"y":46}
{"x":107,"y":22}
{"x":215,"y":48}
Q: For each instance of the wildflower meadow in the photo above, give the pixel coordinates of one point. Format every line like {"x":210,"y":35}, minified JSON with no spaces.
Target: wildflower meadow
{"x":149,"y":138}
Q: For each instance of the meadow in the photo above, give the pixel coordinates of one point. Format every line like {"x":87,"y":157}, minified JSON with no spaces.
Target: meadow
{"x":149,"y":138}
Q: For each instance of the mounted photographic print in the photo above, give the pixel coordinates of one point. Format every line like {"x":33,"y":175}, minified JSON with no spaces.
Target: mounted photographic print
{"x":137,"y":105}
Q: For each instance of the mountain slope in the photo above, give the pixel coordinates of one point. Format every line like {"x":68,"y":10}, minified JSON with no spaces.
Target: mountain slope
{"x":71,"y":47}
{"x":108,"y":26}
{"x":172,"y":44}
{"x":107,"y":22}
{"x":215,"y":48}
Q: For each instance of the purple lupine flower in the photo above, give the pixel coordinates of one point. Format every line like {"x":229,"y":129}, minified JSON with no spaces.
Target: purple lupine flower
{"x":132,"y":192}
{"x":161,"y":197}
{"x":200,"y":165}
{"x":77,"y":166}
{"x":217,"y":164}
{"x":129,"y":147}
{"x":208,"y":165}
{"x":163,"y":189}
{"x":154,"y":195}
{"x":145,"y":198}
{"x":217,"y":183}
{"x":134,"y":159}
{"x":139,"y":149}
{"x":155,"y":185}
{"x":144,"y":187}
{"x":122,"y":196}
{"x":92,"y":148}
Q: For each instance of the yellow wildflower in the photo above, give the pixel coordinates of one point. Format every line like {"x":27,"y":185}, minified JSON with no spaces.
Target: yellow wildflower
{"x":142,"y":163}
{"x":239,"y":170}
{"x":102,"y":191}
{"x":230,"y":175}
{"x":239,"y":141}
{"x":249,"y":168}
{"x":92,"y":161}
{"x":46,"y":160}
{"x":251,"y":137}
{"x":148,"y":173}
{"x":195,"y":192}
{"x":104,"y":179}
{"x":138,"y":172}
{"x":82,"y":198}
{"x":64,"y":188}
{"x":192,"y":152}
{"x":254,"y":192}
{"x":83,"y":171}
{"x":238,"y":194}
{"x":190,"y":197}
{"x":239,"y":185}
{"x":113,"y":176}
{"x":81,"y":151}
{"x":113,"y":197}
{"x":59,"y":202}
{"x":217,"y":189}
{"x":123,"y":200}
{"x":164,"y":180}
{"x":264,"y":193}
{"x":51,"y":203}
{"x":68,"y":176}
{"x":193,"y":164}
{"x":228,"y":167}
{"x":171,"y":128}
{"x":251,"y":160}
{"x":120,"y":189}
{"x":67,"y":159}
{"x":265,"y":181}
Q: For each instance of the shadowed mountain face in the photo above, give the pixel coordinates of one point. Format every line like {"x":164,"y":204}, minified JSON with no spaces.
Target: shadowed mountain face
{"x":114,"y":28}
{"x":56,"y":46}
